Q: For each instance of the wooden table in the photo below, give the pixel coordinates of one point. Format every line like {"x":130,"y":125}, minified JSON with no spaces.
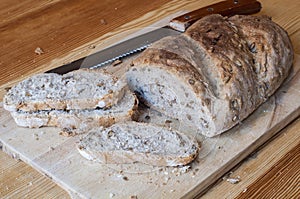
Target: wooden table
{"x":68,"y":30}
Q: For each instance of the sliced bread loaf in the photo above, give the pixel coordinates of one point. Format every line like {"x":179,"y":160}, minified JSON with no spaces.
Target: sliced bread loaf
{"x":216,"y":73}
{"x":80,"y":89}
{"x":79,"y":119}
{"x":138,"y":142}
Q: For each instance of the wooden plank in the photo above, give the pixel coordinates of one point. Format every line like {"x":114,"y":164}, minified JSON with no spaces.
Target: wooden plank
{"x":58,"y":27}
{"x":17,"y":181}
{"x":57,"y":156}
{"x":272,"y":172}
{"x":65,"y":36}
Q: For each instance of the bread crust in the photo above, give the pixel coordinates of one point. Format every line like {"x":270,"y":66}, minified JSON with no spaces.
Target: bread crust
{"x":230,"y":78}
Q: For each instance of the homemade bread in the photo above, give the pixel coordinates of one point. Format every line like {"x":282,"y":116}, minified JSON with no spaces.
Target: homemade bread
{"x":82,"y":120}
{"x":216,"y":73}
{"x":80,"y":89}
{"x":138,"y":142}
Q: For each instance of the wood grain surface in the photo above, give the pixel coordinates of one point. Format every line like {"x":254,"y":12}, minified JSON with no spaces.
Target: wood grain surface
{"x":68,"y":30}
{"x":269,"y":172}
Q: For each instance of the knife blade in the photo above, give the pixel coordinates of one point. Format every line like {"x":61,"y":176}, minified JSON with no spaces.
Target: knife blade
{"x":176,"y":26}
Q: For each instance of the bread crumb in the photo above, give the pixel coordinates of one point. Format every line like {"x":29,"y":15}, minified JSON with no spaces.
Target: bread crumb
{"x":133,"y":197}
{"x":39,"y":51}
{"x":233,"y":180}
{"x":117,"y":62}
{"x":111,"y":195}
{"x":67,"y":132}
{"x":180,"y":170}
{"x":7,"y":89}
{"x":103,"y":21}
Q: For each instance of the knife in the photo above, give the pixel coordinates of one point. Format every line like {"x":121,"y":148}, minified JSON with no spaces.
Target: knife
{"x":175,"y":27}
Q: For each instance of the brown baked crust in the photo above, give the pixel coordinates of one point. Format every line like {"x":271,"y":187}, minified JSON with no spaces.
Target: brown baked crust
{"x":271,"y":49}
{"x":218,"y":53}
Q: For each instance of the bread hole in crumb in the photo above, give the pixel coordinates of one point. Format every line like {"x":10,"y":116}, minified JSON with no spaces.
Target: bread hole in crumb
{"x":191,"y":81}
{"x":100,"y":84}
{"x":27,"y":94}
{"x":204,"y":123}
{"x":147,"y":117}
{"x":207,"y":101}
{"x":110,"y":133}
{"x":234,"y":105}
{"x":189,"y":117}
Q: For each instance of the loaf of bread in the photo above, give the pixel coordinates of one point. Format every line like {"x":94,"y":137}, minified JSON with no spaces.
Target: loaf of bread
{"x":80,"y":89}
{"x":216,"y":73}
{"x":138,"y":142}
{"x":77,"y":121}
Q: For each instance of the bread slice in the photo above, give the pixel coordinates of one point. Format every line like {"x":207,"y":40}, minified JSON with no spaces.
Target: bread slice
{"x":131,"y":142}
{"x":215,"y":74}
{"x":81,"y":120}
{"x":80,"y":89}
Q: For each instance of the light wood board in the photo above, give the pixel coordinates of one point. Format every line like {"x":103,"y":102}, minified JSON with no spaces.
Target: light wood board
{"x":57,"y":157}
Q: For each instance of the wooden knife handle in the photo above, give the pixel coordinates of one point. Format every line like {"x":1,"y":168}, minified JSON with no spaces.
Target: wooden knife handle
{"x":224,"y":8}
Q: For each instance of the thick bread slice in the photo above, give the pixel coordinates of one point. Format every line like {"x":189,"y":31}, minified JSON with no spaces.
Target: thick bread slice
{"x":80,"y":89}
{"x":138,"y":142}
{"x":79,"y":119}
{"x":215,"y":74}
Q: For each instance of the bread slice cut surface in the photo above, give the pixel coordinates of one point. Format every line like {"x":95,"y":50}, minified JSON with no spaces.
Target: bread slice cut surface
{"x":130,"y":142}
{"x":80,"y":89}
{"x":81,"y":120}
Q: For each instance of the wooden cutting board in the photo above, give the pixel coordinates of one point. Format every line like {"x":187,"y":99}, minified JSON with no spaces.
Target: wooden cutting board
{"x":56,"y":156}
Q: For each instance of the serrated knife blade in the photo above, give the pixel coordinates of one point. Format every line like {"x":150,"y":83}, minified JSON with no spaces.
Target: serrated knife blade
{"x":127,"y":48}
{"x":175,"y":27}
